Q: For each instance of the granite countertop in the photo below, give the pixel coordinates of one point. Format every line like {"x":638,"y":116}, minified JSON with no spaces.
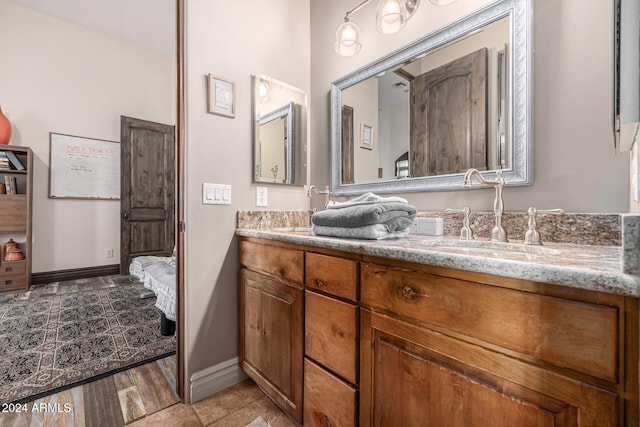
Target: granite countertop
{"x":597,"y":268}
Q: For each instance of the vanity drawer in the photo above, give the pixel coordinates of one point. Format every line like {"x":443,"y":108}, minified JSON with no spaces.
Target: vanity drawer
{"x":564,"y":333}
{"x":282,"y":263}
{"x":331,"y":334}
{"x":336,"y":276}
{"x":327,"y":400}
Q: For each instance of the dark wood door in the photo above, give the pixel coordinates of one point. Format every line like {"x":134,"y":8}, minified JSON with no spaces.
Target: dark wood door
{"x":449,"y":117}
{"x":147,"y":199}
{"x":347,"y":145}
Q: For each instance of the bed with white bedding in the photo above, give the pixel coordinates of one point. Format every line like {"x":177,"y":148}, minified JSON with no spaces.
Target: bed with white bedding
{"x":158,"y":274}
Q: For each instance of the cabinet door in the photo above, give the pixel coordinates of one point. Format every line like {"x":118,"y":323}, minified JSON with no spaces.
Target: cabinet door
{"x":413,"y":376}
{"x":271,"y":338}
{"x":328,"y":401}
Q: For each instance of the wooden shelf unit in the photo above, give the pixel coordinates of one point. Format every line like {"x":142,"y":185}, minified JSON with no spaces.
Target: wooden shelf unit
{"x":15,"y":221}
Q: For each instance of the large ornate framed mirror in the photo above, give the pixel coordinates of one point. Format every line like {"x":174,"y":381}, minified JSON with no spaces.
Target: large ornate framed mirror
{"x":280,"y":132}
{"x":458,"y":98}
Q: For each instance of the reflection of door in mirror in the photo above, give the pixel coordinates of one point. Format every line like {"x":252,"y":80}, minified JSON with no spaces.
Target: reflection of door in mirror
{"x":448,"y":117}
{"x":347,"y":144}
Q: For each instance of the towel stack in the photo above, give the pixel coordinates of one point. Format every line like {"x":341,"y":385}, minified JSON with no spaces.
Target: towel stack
{"x":366,"y":217}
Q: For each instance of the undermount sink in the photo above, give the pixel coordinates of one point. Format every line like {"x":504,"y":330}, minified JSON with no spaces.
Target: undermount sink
{"x":483,"y":246}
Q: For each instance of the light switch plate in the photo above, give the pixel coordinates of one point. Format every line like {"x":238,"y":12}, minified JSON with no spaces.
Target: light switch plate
{"x":261,"y":197}
{"x":216,"y":194}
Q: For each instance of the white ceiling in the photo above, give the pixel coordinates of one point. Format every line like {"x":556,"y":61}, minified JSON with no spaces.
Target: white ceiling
{"x":147,"y":23}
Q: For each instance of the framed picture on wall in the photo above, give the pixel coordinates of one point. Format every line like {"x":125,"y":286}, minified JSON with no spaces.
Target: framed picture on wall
{"x":366,"y":136}
{"x":222,"y":96}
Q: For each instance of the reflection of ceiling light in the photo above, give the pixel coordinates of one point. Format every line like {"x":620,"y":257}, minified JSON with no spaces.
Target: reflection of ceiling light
{"x":391,"y":17}
{"x":263,"y":91}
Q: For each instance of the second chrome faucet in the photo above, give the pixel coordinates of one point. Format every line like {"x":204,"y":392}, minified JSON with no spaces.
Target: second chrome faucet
{"x":498,"y":233}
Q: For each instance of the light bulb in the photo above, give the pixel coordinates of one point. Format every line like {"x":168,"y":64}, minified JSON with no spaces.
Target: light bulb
{"x":391,"y":16}
{"x":348,"y":39}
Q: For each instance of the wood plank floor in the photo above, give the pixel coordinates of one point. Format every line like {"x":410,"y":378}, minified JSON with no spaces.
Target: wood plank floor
{"x":144,"y":397}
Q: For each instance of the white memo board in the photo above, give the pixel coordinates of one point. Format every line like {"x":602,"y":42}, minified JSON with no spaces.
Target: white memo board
{"x":83,"y":168}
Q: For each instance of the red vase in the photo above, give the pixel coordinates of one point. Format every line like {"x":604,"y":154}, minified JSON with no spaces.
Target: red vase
{"x":5,"y":128}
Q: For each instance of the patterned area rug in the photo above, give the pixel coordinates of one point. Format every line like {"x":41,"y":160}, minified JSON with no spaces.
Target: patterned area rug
{"x":53,"y":342}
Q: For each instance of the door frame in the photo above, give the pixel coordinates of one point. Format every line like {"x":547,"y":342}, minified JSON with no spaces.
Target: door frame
{"x":179,"y":199}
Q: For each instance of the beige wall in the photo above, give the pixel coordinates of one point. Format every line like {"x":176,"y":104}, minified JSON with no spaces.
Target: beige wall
{"x":575,"y":165}
{"x":233,"y":40}
{"x":363,"y":98}
{"x":62,"y":78}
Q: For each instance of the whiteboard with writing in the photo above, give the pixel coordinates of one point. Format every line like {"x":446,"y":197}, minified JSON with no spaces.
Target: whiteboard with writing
{"x":83,"y":168}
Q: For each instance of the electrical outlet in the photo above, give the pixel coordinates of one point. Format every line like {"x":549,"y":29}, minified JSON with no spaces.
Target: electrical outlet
{"x":261,"y":196}
{"x":109,"y":253}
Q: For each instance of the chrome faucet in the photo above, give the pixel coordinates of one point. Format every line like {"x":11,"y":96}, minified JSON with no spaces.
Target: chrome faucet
{"x":465,"y":232}
{"x":498,"y":233}
{"x":326,"y":192}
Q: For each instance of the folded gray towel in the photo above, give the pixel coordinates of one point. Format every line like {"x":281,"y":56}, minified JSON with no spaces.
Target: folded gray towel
{"x":394,"y":228}
{"x":365,"y":214}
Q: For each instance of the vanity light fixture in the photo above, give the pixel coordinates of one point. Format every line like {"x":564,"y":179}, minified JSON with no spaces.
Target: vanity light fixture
{"x":391,"y":17}
{"x":348,"y":36}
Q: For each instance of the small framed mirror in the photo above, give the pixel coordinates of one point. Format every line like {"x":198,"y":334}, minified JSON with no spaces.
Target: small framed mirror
{"x":280,"y":132}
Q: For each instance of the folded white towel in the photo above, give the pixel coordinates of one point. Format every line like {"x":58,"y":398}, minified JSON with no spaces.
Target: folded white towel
{"x":366,"y":198}
{"x":369,"y":232}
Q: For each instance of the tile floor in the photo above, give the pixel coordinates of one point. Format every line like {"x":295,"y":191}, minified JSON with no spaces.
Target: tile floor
{"x":237,"y":405}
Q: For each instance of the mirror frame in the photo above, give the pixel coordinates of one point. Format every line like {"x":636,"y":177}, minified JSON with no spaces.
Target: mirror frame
{"x":520,"y":73}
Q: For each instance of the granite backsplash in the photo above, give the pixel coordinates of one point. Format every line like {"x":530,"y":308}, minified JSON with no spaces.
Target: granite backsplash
{"x":576,"y":228}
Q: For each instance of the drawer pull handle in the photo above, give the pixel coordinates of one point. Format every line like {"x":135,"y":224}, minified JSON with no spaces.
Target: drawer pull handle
{"x":319,"y":283}
{"x":8,"y":269}
{"x":8,"y":282}
{"x":407,"y":292}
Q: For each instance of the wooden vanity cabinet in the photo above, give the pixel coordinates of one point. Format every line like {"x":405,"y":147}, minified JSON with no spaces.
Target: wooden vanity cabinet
{"x":338,"y":339}
{"x":331,"y":341}
{"x":446,"y":351}
{"x":271,"y":297}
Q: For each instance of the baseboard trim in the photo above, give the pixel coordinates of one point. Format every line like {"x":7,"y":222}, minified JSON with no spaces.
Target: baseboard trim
{"x":74,"y":274}
{"x":215,"y":378}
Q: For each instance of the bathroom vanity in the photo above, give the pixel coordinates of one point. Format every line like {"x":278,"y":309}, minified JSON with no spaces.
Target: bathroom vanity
{"x":424,"y":331}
